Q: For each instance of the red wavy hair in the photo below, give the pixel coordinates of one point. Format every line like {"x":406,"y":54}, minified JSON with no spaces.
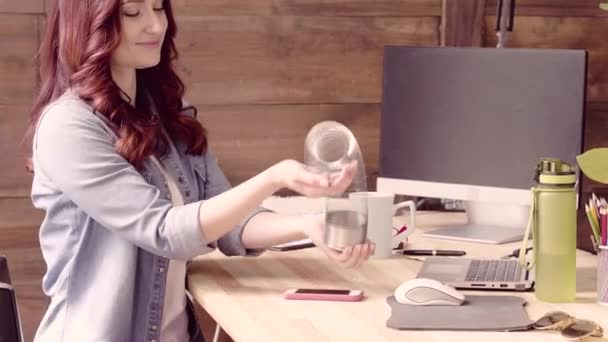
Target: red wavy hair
{"x":75,"y":53}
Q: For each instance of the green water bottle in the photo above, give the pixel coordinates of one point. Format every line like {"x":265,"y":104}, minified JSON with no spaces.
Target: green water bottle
{"x":554,"y":221}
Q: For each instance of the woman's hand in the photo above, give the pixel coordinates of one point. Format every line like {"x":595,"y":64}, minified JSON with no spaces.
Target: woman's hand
{"x":353,"y":256}
{"x":293,"y":175}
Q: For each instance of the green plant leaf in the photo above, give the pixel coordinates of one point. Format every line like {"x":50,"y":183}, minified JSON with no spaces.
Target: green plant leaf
{"x":594,"y":164}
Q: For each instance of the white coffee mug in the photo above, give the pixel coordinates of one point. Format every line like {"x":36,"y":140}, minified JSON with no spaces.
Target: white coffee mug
{"x":380,"y":212}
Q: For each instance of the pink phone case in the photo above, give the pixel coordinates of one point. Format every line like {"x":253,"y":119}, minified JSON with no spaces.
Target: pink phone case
{"x":292,"y":295}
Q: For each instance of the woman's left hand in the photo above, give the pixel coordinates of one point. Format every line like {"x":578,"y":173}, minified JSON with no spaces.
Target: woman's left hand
{"x":353,"y":256}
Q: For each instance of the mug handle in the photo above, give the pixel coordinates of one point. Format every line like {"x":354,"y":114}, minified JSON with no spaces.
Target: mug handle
{"x":412,"y":225}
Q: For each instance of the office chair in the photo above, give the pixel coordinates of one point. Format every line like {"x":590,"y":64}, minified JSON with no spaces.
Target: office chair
{"x":5,"y":276}
{"x":10,"y":327}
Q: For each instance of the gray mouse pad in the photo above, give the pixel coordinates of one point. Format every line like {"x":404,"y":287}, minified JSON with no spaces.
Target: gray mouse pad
{"x":481,"y":313}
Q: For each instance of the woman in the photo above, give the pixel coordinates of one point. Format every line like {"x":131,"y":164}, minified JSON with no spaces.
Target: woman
{"x":115,"y":245}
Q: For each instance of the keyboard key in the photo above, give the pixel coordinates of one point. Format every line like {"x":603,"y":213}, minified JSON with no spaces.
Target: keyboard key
{"x":500,"y":273}
{"x":483,"y":270}
{"x":492,"y":270}
{"x":519,"y":272}
{"x":511,"y":271}
{"x":472,"y":272}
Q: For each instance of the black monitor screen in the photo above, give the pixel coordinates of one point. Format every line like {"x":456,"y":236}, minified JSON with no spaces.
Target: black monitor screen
{"x":479,"y":116}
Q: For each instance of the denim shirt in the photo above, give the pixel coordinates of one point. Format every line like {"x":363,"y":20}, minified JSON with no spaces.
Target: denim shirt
{"x":110,"y":230}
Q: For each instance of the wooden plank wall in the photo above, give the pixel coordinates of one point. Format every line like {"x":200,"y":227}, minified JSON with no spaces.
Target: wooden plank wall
{"x":19,"y":39}
{"x":263,"y":72}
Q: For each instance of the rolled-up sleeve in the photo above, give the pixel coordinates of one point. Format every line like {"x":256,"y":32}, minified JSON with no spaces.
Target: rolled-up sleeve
{"x":216,"y":183}
{"x":74,"y":151}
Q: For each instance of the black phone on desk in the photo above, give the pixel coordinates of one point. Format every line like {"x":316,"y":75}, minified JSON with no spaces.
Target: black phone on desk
{"x":293,"y":245}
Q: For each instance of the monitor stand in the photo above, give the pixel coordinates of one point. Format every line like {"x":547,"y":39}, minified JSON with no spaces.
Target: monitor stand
{"x":492,"y":223}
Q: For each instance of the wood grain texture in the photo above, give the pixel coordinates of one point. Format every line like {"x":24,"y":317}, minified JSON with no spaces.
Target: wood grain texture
{"x":553,"y":8}
{"x":253,"y":60}
{"x":565,"y":33}
{"x":249,"y":138}
{"x":331,"y":8}
{"x":18,"y":43}
{"x":15,"y":181}
{"x":245,"y":294}
{"x":18,"y":212}
{"x":462,"y":22}
{"x":208,"y":324}
{"x":22,"y":6}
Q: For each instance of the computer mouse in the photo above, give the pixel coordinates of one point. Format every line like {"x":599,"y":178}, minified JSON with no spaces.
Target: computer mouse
{"x":424,"y":291}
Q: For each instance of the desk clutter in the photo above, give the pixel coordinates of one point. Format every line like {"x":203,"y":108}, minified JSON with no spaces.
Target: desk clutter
{"x":477,"y":313}
{"x":597,"y":214}
{"x":427,"y":304}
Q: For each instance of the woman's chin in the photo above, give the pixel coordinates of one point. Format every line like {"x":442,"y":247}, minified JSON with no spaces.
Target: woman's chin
{"x":148,"y":63}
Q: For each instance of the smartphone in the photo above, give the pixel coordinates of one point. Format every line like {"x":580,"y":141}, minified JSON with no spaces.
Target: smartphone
{"x":294,"y":245}
{"x":324,"y":294}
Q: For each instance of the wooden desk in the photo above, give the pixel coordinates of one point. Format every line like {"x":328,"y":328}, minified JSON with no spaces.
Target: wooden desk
{"x":244,"y":294}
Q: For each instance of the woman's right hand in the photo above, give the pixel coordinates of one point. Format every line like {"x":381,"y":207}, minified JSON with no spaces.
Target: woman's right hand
{"x":295,"y":176}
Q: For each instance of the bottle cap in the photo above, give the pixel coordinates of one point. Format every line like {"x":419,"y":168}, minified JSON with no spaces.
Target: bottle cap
{"x":553,"y":171}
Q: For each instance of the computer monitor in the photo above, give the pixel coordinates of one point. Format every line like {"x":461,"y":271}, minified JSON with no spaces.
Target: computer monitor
{"x":471,"y":124}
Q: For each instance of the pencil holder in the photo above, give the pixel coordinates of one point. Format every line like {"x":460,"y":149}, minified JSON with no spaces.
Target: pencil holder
{"x":602,"y":276}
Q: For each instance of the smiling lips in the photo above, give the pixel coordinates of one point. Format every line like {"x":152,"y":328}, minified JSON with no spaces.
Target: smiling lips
{"x":150,"y":44}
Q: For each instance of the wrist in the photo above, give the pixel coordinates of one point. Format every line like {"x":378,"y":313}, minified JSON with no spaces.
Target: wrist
{"x":274,"y":177}
{"x":310,"y":224}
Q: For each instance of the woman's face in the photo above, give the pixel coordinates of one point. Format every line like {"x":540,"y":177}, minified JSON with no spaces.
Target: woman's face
{"x":144,"y":24}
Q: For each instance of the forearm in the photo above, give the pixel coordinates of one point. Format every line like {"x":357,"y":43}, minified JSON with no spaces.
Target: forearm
{"x":268,"y":229}
{"x":220,"y":214}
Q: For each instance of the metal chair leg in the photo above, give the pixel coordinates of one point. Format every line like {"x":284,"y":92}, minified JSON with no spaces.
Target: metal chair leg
{"x":216,"y":334}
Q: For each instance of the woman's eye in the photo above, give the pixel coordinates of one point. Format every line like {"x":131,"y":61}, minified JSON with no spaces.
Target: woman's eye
{"x":131,"y":14}
{"x":159,"y":9}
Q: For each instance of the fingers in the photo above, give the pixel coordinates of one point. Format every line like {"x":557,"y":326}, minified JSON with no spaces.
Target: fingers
{"x":367,"y":250}
{"x":343,"y":257}
{"x":363,"y":256}
{"x":341,"y":180}
{"x":353,"y":261}
{"x":355,"y":256}
{"x":310,"y":191}
{"x":314,"y":180}
{"x":315,"y":184}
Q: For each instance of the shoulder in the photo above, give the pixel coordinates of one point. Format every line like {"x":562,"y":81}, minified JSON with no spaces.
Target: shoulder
{"x":68,"y":116}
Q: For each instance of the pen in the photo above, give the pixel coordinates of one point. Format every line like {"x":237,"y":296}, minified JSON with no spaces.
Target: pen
{"x":593,"y":223}
{"x":594,"y":244}
{"x":432,"y":252}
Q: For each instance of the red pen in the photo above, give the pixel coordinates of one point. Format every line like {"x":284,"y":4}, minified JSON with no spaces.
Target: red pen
{"x":604,"y":224}
{"x":400,"y":230}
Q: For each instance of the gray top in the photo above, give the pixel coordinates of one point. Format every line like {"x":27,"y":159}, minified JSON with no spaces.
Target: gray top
{"x":109,"y":230}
